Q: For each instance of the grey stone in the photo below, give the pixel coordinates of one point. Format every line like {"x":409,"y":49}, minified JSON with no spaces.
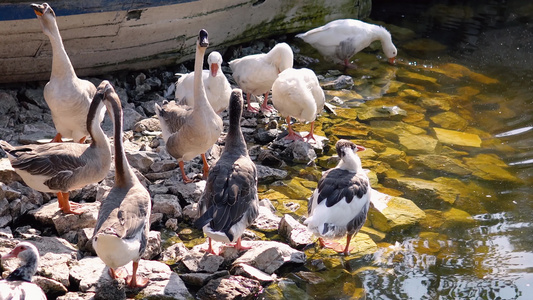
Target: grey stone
{"x":153,"y":246}
{"x":264,"y":137}
{"x":141,"y":160}
{"x":341,"y":82}
{"x":7,"y":173}
{"x":85,"y":243}
{"x":49,"y":286}
{"x":266,"y":220}
{"x":190,"y":192}
{"x":201,"y":279}
{"x":253,"y":273}
{"x":296,"y":234}
{"x":164,"y":165}
{"x":36,"y":96}
{"x":167,"y":204}
{"x":148,"y":124}
{"x":300,"y":152}
{"x":268,"y":256}
{"x":230,"y":287}
{"x":8,"y":102}
{"x":175,"y":252}
{"x":202,"y":262}
{"x":131,"y":116}
{"x":265,"y":173}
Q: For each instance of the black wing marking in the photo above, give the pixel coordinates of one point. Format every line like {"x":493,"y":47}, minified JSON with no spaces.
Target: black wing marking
{"x":231,"y":189}
{"x":337,"y":184}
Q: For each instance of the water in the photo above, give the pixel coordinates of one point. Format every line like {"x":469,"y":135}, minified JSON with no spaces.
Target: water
{"x":491,"y":257}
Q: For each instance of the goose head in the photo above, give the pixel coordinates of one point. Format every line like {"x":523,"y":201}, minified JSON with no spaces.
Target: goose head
{"x":29,"y":257}
{"x":46,"y":16}
{"x":346,"y":151}
{"x":281,"y":56}
{"x":386,"y":43}
{"x":202,"y":39}
{"x":215,"y":61}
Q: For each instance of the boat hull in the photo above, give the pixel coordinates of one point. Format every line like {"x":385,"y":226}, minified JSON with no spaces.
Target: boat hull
{"x":109,"y":36}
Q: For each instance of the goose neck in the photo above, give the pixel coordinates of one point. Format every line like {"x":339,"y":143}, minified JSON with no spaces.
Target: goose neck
{"x":350,"y":162}
{"x":61,"y":65}
{"x":123,"y":173}
{"x":200,"y":96}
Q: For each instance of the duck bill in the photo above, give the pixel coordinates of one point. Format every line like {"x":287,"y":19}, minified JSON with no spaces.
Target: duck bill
{"x":392,"y":60}
{"x":14,"y":253}
{"x":38,"y":9}
{"x":360,"y":148}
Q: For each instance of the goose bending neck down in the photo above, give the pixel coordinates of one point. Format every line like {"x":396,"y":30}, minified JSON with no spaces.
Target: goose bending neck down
{"x":190,"y":132}
{"x":18,"y":284}
{"x":340,"y":203}
{"x":256,"y":73}
{"x":229,"y":203}
{"x":121,"y":230}
{"x":67,"y":96}
{"x":63,"y":167}
{"x":341,"y":39}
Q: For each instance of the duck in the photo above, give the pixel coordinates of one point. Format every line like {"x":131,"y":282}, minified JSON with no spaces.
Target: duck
{"x":340,"y":204}
{"x":62,"y":167}
{"x":216,"y":84}
{"x":341,"y":39}
{"x":67,"y":96}
{"x":256,"y":73}
{"x":229,"y":203}
{"x":18,"y":285}
{"x":297,"y":93}
{"x":123,"y":223}
{"x":191,"y":131}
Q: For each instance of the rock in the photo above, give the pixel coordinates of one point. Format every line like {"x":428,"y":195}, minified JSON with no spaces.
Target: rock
{"x":55,"y":266}
{"x":263,"y":137}
{"x":26,"y":232}
{"x":49,"y":214}
{"x":452,"y":218}
{"x":33,"y":133}
{"x":253,"y":273}
{"x":400,"y":213}
{"x":266,"y":220}
{"x":383,"y":112}
{"x":202,"y":262}
{"x":174,"y":253}
{"x":163,"y":165}
{"x":148,"y":124}
{"x":299,"y":152}
{"x":490,"y":167}
{"x":230,"y":287}
{"x":417,"y":144}
{"x":349,"y":129}
{"x":164,"y":283}
{"x":267,"y":174}
{"x":395,"y":158}
{"x":6,"y":233}
{"x":168,"y":205}
{"x":435,"y":104}
{"x":423,"y":48}
{"x":293,"y":189}
{"x":172,"y":224}
{"x":296,"y":234}
{"x":153,"y":247}
{"x":76,"y":296}
{"x":428,"y":194}
{"x":131,"y":116}
{"x":269,"y":158}
{"x":190,"y":211}
{"x":424,"y":164}
{"x":268,"y":256}
{"x":85,"y":243}
{"x":189,"y":193}
{"x":341,"y":82}
{"x":201,"y":279}
{"x":141,"y":160}
{"x":457,"y":138}
{"x":8,"y":103}
{"x":49,"y":286}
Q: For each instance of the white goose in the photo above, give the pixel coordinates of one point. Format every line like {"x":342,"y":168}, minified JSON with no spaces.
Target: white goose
{"x":189,"y":132}
{"x":18,"y":285}
{"x":256,"y":73}
{"x":216,"y":84}
{"x":63,"y":167}
{"x":67,"y":96}
{"x":229,"y":203}
{"x":339,"y":40}
{"x":121,"y":230}
{"x":297,"y":93}
{"x":340,"y":203}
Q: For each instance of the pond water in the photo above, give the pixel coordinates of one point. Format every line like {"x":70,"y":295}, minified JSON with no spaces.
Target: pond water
{"x":462,"y":67}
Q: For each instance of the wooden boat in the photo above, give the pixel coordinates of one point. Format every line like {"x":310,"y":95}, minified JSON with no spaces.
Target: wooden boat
{"x":104,"y":36}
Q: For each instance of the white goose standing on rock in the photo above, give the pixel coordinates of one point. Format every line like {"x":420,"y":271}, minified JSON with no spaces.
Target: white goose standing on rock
{"x":340,"y":203}
{"x":297,"y":93}
{"x":256,"y":73}
{"x":67,"y":96}
{"x":121,"y":231}
{"x":339,"y":40}
{"x":216,"y":84}
{"x":18,"y":285}
{"x":63,"y":167}
{"x":229,"y":203}
{"x":189,"y":132}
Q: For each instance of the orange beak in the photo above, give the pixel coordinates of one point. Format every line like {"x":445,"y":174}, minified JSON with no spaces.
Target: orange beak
{"x":214,"y":70}
{"x":392,"y":60}
{"x":360,"y":148}
{"x":38,"y":9}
